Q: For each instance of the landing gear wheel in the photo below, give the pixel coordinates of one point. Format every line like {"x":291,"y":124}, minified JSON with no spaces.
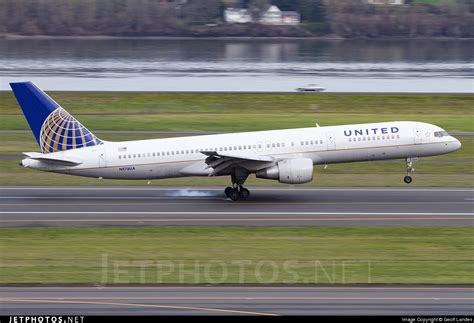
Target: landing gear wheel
{"x":227,"y":191}
{"x":244,"y":193}
{"x":409,"y":161}
{"x":234,"y":194}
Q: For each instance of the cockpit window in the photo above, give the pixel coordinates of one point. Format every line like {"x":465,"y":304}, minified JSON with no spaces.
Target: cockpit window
{"x":441,"y":134}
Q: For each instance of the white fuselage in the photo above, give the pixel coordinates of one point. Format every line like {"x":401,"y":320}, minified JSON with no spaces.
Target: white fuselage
{"x":178,"y":157}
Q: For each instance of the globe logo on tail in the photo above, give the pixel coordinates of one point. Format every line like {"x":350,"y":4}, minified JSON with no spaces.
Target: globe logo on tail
{"x":61,"y":131}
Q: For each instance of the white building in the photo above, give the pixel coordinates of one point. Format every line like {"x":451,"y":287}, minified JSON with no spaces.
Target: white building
{"x":274,"y":16}
{"x":396,"y":2}
{"x":237,"y":16}
{"x":290,"y":18}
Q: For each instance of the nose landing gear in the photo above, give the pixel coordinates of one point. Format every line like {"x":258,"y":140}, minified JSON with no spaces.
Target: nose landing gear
{"x":409,"y":161}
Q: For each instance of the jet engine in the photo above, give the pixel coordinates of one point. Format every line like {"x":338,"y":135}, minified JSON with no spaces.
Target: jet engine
{"x":289,"y":171}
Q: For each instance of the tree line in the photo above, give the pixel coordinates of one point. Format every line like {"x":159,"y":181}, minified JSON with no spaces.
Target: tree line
{"x":343,"y":18}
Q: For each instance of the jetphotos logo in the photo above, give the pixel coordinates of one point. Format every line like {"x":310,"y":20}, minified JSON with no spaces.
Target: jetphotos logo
{"x":46,"y":319}
{"x":371,"y":131}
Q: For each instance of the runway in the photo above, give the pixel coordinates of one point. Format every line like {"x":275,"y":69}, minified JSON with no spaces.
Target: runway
{"x":233,"y":300}
{"x":173,"y":206}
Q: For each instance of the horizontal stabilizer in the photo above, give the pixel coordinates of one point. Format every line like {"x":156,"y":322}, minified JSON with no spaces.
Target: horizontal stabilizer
{"x":51,"y":159}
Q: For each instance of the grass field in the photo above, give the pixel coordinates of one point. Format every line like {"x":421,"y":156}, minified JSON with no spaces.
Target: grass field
{"x":437,"y":255}
{"x":244,"y":112}
{"x":224,"y":112}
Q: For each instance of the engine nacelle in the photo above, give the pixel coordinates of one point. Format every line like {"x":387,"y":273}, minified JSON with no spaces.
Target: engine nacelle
{"x":289,"y":171}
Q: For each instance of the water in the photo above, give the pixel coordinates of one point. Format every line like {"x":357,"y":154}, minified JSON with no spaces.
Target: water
{"x":239,"y":65}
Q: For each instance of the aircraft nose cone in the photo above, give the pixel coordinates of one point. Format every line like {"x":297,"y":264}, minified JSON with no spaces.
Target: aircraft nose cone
{"x":457,"y":145}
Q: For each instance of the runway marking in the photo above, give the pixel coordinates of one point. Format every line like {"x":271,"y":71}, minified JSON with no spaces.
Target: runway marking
{"x":193,"y":288}
{"x":232,"y":220}
{"x":115,"y":197}
{"x":193,"y":298}
{"x":240,"y":213}
{"x":132,"y":188}
{"x":138,"y":305}
{"x":246,"y":203}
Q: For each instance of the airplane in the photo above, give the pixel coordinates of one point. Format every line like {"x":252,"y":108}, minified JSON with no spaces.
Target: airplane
{"x":288,"y":156}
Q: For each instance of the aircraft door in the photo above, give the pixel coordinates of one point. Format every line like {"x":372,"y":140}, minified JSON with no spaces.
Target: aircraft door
{"x":417,"y":136}
{"x":101,"y":156}
{"x":331,"y":141}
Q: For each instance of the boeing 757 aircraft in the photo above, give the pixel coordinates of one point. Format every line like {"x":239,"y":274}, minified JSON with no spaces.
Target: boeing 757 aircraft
{"x":288,"y":155}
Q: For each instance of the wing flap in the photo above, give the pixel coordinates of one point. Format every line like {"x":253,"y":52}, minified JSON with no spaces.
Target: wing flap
{"x":238,"y":156}
{"x":221,"y":162}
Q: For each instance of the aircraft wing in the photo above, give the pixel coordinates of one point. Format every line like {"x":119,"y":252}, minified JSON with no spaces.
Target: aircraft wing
{"x":51,"y":159}
{"x":220,"y":162}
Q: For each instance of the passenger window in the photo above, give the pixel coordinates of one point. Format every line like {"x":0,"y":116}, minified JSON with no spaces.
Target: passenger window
{"x":120,"y":157}
{"x":350,"y":140}
{"x":321,"y":142}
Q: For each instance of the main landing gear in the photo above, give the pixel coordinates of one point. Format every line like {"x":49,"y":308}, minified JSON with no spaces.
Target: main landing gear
{"x":234,"y":193}
{"x":409,"y":161}
{"x":237,"y":191}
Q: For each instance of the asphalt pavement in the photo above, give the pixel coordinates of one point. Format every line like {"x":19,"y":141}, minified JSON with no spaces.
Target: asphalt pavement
{"x":208,"y":206}
{"x":234,"y":300}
